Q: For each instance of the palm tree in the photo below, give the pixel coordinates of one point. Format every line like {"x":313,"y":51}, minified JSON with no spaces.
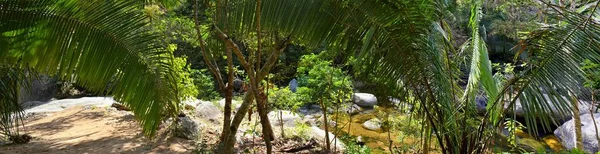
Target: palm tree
{"x":408,"y":44}
{"x":104,"y":46}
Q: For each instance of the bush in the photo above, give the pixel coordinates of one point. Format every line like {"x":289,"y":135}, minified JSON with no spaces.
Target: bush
{"x":284,"y":99}
{"x":318,"y":79}
{"x":205,"y":84}
{"x":186,"y":83}
{"x":353,"y":148}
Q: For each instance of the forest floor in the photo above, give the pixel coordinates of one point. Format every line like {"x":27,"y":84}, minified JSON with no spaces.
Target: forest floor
{"x":86,"y":129}
{"x":92,"y":130}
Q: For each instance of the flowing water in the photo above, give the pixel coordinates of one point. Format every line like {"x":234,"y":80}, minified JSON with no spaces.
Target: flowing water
{"x":406,"y":138}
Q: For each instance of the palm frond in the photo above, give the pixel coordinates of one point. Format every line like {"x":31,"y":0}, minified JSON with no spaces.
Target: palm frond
{"x":553,"y":73}
{"x":102,"y":45}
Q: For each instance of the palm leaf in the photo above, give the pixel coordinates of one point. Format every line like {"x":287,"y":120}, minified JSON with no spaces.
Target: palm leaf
{"x":553,"y":73}
{"x":102,"y":45}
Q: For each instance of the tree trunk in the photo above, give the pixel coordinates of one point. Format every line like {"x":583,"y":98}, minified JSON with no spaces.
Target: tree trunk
{"x":578,"y":136}
{"x":592,"y":114}
{"x":226,"y":146}
{"x":228,"y":95}
{"x":266,"y":124}
{"x":281,"y":126}
{"x":324,"y":109}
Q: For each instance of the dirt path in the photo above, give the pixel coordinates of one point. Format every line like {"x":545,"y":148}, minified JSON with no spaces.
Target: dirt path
{"x":92,"y":130}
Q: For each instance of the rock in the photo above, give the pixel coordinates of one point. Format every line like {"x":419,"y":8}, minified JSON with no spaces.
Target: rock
{"x":59,"y":105}
{"x":319,"y":134}
{"x":529,"y":144}
{"x":310,"y":109}
{"x":353,"y":109}
{"x":365,"y":100}
{"x":187,"y":128}
{"x":330,"y":121}
{"x":234,"y":103}
{"x":566,"y":133}
{"x":209,"y":111}
{"x":373,"y":124}
{"x":288,"y":117}
{"x":238,"y":85}
{"x":360,"y":141}
{"x":69,"y":90}
{"x":42,"y":88}
{"x":190,"y":104}
{"x":584,"y":108}
{"x":358,"y":84}
{"x":481,"y":103}
{"x":293,"y":85}
{"x":401,"y":105}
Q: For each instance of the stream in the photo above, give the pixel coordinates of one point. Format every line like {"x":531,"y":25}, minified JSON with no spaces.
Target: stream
{"x":405,"y":135}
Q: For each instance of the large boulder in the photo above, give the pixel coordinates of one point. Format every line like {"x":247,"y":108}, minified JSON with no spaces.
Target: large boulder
{"x":566,"y":133}
{"x":288,"y":117}
{"x":59,"y":105}
{"x":519,"y":109}
{"x":187,"y":128}
{"x":208,"y":111}
{"x":372,"y":124}
{"x":584,"y":108}
{"x":365,"y":100}
{"x":42,"y":88}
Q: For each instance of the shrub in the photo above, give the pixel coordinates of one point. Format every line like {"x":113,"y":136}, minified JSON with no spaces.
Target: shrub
{"x":205,"y":84}
{"x":284,"y":98}
{"x":318,"y":79}
{"x":182,"y":72}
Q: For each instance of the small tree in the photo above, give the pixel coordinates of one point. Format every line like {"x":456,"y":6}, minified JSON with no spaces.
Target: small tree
{"x":322,"y":83}
{"x":283,"y":98}
{"x":592,"y":75}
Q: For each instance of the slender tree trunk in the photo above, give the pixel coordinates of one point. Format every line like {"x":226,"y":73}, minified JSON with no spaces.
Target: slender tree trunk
{"x":228,"y":95}
{"x":389,"y":130}
{"x":226,"y":146}
{"x":266,"y":124}
{"x":427,"y":136}
{"x":324,"y":109}
{"x":281,"y":126}
{"x":592,"y":108}
{"x":577,"y":118}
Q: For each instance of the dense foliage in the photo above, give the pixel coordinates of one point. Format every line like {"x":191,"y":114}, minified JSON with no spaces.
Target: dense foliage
{"x":437,"y":56}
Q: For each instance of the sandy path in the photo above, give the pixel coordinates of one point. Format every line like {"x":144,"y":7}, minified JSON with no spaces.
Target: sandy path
{"x":92,"y":130}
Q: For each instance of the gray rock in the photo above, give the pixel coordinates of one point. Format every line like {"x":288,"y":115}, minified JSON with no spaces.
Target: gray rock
{"x":59,"y":105}
{"x":310,"y":109}
{"x":481,"y":103}
{"x":353,"y":109}
{"x":584,"y":108}
{"x":41,"y":89}
{"x":319,"y":134}
{"x":365,"y":100}
{"x":293,"y":85}
{"x":187,"y":128}
{"x":289,"y":118}
{"x":358,"y":84}
{"x":373,"y":124}
{"x":234,"y":103}
{"x":209,"y":111}
{"x":566,"y":133}
{"x":190,"y":104}
{"x":401,"y":105}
